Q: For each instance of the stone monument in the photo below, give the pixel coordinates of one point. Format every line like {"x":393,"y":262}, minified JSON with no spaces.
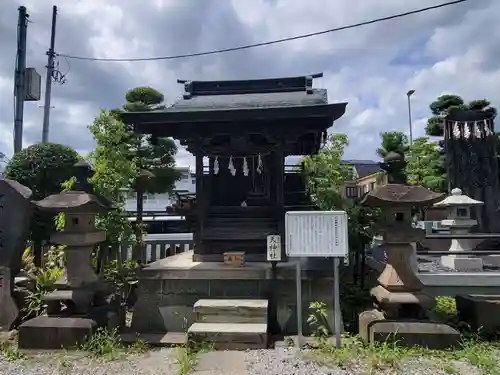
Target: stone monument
{"x":15,"y":215}
{"x":401,"y":305}
{"x":81,"y":301}
{"x":459,"y":222}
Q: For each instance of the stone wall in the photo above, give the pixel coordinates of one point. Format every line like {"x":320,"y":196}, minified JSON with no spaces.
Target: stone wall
{"x":165,"y":304}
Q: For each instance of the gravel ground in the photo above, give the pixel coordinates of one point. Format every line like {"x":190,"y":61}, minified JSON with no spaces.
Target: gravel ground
{"x":286,"y":361}
{"x":280,"y":361}
{"x":157,"y":362}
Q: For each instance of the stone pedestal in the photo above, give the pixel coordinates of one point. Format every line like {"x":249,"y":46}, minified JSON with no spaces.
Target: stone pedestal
{"x":375,"y":328}
{"x":479,"y":311}
{"x":45,"y":332}
{"x":169,"y":288}
{"x":461,"y":263}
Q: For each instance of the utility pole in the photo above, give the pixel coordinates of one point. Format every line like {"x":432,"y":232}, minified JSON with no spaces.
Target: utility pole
{"x":20,"y":86}
{"x":48,"y":78}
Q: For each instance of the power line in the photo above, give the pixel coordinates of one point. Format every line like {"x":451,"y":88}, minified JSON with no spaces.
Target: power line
{"x":276,"y":41}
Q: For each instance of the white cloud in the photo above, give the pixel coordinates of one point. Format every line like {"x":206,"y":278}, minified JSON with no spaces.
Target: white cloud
{"x":451,"y":50}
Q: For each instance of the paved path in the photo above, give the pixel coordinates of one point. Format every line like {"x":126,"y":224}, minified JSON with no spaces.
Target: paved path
{"x":221,"y":363}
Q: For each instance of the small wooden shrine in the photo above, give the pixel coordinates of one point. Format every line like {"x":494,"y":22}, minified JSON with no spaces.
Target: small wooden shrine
{"x":245,"y":129}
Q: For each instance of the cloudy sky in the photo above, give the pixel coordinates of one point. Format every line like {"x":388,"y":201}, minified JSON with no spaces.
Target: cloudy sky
{"x":451,"y":50}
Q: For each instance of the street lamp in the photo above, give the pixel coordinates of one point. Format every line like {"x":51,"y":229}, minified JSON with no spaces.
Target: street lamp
{"x":409,"y":94}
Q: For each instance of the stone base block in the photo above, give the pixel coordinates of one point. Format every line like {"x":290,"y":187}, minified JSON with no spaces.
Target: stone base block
{"x":231,"y":311}
{"x":479,"y":311}
{"x":365,"y":320}
{"x":46,"y":332}
{"x":492,"y":260}
{"x":462,"y":264}
{"x":230,"y":336}
{"x":375,"y":329}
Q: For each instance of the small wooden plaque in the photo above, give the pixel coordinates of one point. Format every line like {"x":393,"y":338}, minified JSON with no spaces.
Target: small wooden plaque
{"x":234,"y":258}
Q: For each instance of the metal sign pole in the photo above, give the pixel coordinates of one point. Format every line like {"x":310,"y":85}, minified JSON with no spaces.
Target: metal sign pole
{"x":336,"y":300}
{"x":298,"y":276}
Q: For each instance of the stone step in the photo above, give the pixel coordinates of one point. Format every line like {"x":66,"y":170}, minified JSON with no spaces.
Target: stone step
{"x":231,"y":311}
{"x":229,"y":336}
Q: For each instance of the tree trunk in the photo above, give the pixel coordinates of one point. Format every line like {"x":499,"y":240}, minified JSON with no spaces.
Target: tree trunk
{"x":138,"y":253}
{"x":37,"y":253}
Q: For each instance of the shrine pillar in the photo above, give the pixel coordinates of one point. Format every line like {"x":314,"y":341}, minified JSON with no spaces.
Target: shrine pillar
{"x":200,"y":202}
{"x":279,"y":172}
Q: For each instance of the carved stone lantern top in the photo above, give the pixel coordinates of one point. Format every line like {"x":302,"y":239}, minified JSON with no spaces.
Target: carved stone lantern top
{"x":459,"y":209}
{"x":397,"y":192}
{"x":458,"y":199}
{"x":81,"y":198}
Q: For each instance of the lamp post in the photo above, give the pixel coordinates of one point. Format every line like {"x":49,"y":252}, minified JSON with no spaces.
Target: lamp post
{"x":408,"y":95}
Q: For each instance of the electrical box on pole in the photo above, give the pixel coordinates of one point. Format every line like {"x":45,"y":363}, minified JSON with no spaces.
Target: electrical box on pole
{"x":32,"y":85}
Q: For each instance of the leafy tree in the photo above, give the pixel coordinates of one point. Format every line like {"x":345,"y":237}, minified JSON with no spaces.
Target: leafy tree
{"x":425,"y":165}
{"x":393,"y":142}
{"x":156,"y":155}
{"x":115,"y":167}
{"x":43,"y":168}
{"x":325,"y":176}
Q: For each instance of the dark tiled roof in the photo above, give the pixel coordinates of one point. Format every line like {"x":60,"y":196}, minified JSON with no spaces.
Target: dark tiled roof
{"x":246,"y":101}
{"x":363,"y":167}
{"x":366,"y":169}
{"x":256,"y":93}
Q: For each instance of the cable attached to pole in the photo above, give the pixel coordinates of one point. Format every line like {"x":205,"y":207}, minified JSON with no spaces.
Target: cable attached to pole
{"x":283,"y":40}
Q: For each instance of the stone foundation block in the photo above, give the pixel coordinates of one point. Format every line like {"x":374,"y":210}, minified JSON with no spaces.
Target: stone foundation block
{"x":230,"y":336}
{"x":373,"y":328}
{"x":365,"y":320}
{"x":46,"y":332}
{"x":462,"y":264}
{"x":479,"y":311}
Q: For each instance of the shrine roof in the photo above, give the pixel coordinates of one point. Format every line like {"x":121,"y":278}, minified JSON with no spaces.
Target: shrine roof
{"x":292,"y":97}
{"x":247,"y":101}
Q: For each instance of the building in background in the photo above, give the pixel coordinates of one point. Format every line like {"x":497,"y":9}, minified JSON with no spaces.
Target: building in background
{"x":365,"y":176}
{"x":159,"y":202}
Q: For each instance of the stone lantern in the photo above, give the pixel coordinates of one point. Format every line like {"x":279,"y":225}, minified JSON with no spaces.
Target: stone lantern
{"x":84,"y":297}
{"x":459,"y":222}
{"x":399,"y":297}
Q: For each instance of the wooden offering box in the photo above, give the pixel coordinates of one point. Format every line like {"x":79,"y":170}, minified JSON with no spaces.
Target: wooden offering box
{"x":234,"y":258}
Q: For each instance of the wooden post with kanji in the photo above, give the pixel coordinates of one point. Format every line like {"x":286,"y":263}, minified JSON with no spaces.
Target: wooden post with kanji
{"x":273,"y":256}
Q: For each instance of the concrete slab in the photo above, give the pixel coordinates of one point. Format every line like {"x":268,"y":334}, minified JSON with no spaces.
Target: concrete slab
{"x":156,"y":339}
{"x":221,"y":363}
{"x":230,"y":335}
{"x":182,"y":266}
{"x":231,"y":311}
